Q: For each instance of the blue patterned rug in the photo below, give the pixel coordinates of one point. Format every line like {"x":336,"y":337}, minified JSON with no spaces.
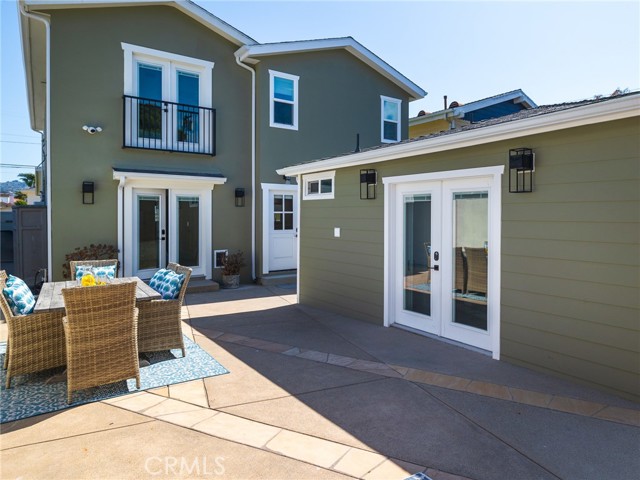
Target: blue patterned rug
{"x":46,"y":392}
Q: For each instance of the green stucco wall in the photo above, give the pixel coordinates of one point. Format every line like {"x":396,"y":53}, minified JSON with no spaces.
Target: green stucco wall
{"x":570,"y":251}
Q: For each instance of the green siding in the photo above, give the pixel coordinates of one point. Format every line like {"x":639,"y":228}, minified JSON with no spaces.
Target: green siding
{"x":570,"y":251}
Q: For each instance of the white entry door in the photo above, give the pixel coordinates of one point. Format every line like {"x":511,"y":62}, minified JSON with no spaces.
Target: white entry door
{"x":441,"y":259}
{"x":283,"y":230}
{"x":149,"y":232}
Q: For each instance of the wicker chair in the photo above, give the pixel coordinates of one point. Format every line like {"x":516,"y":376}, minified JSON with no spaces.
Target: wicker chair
{"x":35,"y":342}
{"x":477,"y":270}
{"x":101,"y":332}
{"x":159,"y":322}
{"x":92,"y":263}
{"x":460,"y":282}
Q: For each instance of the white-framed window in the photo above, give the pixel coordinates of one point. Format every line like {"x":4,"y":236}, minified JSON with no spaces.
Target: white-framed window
{"x":390,"y":109}
{"x":168,"y":100}
{"x":283,"y":100}
{"x":318,"y":186}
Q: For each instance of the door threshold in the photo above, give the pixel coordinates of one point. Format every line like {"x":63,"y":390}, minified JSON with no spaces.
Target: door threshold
{"x":442,"y":339}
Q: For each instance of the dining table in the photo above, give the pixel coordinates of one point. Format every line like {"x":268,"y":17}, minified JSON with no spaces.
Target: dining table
{"x":51,"y":299}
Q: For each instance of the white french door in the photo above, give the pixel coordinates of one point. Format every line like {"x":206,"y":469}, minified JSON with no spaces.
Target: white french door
{"x":444,"y":266}
{"x":283,"y":230}
{"x":149,"y":231}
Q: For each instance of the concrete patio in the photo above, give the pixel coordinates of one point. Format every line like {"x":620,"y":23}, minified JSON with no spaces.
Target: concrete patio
{"x":314,"y":395}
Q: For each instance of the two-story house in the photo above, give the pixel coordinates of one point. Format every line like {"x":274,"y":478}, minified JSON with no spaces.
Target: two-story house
{"x":165,"y":126}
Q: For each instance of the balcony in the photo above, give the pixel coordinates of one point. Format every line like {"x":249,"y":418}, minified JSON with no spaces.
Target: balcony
{"x":172,"y":127}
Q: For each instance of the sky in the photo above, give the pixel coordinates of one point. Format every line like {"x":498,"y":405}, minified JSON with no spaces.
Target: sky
{"x":553,"y":51}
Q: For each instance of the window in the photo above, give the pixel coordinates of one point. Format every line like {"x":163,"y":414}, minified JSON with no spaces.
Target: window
{"x":390,"y":114}
{"x":283,"y":100}
{"x":319,"y":186}
{"x":167,"y":101}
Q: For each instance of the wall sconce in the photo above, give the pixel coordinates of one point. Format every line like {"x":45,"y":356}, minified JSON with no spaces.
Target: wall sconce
{"x":522,"y":164}
{"x":88,"y":189}
{"x":239,"y":197}
{"x":368,"y":181}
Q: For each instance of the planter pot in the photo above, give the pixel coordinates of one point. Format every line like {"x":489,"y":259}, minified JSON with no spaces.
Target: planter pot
{"x":230,"y":281}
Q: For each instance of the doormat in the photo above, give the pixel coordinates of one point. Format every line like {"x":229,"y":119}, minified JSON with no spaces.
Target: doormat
{"x":45,"y":392}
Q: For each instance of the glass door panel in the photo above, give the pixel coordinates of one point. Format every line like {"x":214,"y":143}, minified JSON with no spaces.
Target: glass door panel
{"x":149,"y":241}
{"x":470,"y":252}
{"x":150,"y":109}
{"x":188,"y":113}
{"x":188,"y":237}
{"x":417,"y":253}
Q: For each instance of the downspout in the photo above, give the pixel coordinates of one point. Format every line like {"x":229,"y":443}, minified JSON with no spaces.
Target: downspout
{"x":47,"y":27}
{"x":253,"y":160}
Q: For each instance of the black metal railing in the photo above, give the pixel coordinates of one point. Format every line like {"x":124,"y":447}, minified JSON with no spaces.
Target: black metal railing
{"x":174,"y":127}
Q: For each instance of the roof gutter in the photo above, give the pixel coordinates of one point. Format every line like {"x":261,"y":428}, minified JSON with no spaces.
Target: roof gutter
{"x":240,"y":55}
{"x":609,"y":110}
{"x":47,"y":129}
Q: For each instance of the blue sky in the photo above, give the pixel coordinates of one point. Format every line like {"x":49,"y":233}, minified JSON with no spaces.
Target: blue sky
{"x":554,"y":51}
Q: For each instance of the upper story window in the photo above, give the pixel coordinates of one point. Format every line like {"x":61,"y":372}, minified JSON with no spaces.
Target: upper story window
{"x":390,"y":115}
{"x":317,"y":186}
{"x":167,"y":101}
{"x":283,"y":100}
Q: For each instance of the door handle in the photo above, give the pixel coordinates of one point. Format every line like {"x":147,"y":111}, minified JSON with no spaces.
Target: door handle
{"x":435,"y":267}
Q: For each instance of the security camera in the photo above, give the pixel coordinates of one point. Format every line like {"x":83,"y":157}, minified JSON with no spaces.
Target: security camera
{"x":91,"y":130}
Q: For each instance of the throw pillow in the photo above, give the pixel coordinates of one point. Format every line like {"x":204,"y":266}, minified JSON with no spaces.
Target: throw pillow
{"x":19,"y":296}
{"x":108,"y":271}
{"x":171,"y":285}
{"x":158,"y":279}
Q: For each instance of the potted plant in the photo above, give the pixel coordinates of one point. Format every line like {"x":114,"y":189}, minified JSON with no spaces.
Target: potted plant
{"x":231,"y":266}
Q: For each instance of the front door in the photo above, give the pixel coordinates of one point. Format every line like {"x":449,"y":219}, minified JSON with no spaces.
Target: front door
{"x":283,"y":232}
{"x":150,"y":232}
{"x":441,"y":259}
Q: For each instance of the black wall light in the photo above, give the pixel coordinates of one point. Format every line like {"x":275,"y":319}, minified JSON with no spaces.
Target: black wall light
{"x":88,"y":189}
{"x":368,"y":181}
{"x":239,"y":197}
{"x":521,"y":167}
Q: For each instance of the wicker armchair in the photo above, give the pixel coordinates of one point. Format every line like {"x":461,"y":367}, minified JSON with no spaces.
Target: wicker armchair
{"x":477,"y":270}
{"x":92,"y":263}
{"x":101,"y":331}
{"x":35,"y":342}
{"x":159,"y":321}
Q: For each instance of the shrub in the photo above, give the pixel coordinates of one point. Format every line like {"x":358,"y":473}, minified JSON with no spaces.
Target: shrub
{"x":92,"y":252}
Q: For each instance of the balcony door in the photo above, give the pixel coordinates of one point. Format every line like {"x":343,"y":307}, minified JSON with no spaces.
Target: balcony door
{"x":167,"y":102}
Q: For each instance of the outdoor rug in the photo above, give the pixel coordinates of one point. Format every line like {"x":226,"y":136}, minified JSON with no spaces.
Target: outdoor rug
{"x":45,"y":392}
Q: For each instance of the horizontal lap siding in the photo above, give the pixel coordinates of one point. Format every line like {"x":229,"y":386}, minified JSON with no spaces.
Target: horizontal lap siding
{"x":570,"y":259}
{"x":343,"y":274}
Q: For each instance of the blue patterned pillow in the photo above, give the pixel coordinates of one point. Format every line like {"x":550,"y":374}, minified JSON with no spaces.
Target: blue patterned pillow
{"x":171,"y":285}
{"x":158,"y":279}
{"x":20,"y":299}
{"x":109,"y":271}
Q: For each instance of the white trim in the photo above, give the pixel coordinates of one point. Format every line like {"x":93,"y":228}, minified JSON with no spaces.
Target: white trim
{"x":295,"y":103}
{"x":130,"y":49}
{"x":604,"y":111}
{"x":168,"y":179}
{"x":346,"y":43}
{"x":267,"y":188}
{"x":445,"y":175}
{"x":319,"y":177}
{"x":398,"y":103}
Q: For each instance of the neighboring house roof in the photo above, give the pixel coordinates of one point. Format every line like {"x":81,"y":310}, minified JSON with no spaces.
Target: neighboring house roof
{"x":466,"y":110}
{"x":347,"y":43}
{"x":526,"y":122}
{"x":33,"y":39}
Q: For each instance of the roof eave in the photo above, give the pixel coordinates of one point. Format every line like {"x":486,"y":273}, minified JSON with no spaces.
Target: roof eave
{"x":610,"y":110}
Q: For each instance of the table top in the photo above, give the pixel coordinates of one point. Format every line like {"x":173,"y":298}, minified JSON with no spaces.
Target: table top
{"x":50,"y":297}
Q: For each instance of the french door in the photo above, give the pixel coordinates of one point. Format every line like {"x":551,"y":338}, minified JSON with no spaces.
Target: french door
{"x":283,"y":230}
{"x":150,"y":232}
{"x":441,"y":260}
{"x":168,"y":226}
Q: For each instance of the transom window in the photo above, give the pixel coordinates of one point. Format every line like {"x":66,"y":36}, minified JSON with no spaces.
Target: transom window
{"x":283,"y":99}
{"x":319,"y":186}
{"x":390,"y":114}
